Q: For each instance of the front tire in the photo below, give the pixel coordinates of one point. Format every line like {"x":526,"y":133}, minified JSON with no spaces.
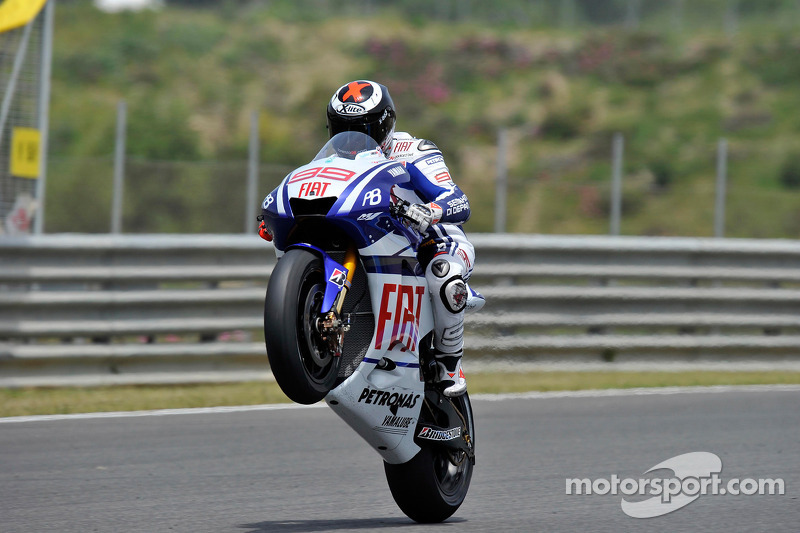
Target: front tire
{"x":301,"y":361}
{"x":432,"y":486}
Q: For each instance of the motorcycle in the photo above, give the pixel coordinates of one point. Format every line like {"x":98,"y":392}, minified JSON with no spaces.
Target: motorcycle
{"x":348,"y":319}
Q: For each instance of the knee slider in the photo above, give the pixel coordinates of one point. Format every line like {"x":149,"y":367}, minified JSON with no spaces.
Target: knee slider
{"x":454,"y":294}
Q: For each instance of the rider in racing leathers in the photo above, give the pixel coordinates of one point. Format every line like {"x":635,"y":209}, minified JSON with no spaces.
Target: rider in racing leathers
{"x":438,"y":209}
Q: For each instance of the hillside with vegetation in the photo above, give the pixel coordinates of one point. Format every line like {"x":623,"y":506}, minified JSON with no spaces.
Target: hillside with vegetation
{"x":192,"y":76}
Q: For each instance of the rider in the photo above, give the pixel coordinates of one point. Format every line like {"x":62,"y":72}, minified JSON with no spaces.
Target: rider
{"x":438,"y":210}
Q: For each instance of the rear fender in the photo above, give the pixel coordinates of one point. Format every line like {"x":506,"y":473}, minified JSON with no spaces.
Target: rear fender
{"x":335,"y":275}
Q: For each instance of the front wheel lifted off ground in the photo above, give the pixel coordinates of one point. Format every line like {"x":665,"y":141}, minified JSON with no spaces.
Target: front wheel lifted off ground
{"x":301,"y":361}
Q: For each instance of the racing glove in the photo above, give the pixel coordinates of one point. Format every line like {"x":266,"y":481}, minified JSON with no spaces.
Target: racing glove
{"x":422,"y":216}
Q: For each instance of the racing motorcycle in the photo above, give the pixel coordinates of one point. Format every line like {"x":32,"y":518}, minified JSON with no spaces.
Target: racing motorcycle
{"x":348,"y":319}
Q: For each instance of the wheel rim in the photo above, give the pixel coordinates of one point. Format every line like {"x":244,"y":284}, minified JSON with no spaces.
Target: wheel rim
{"x":451,"y":473}
{"x":317,"y":360}
{"x":311,"y":310}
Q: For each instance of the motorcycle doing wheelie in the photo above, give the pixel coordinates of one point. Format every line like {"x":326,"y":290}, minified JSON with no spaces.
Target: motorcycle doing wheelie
{"x":348,"y":318}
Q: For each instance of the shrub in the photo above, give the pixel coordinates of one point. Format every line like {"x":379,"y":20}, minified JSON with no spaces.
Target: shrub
{"x":790,"y":172}
{"x":91,"y":66}
{"x":561,"y":126}
{"x":663,"y":173}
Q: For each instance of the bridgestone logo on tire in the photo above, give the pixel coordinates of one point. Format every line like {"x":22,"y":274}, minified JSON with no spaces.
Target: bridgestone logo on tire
{"x":437,"y":434}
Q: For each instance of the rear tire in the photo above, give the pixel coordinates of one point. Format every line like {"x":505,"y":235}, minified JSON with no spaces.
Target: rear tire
{"x":300,"y":360}
{"x":432,"y":486}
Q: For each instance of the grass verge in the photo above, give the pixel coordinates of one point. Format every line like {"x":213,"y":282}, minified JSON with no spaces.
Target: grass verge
{"x":40,"y":401}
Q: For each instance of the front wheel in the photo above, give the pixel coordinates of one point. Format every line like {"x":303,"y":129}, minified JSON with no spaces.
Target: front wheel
{"x":300,"y":359}
{"x":432,"y":486}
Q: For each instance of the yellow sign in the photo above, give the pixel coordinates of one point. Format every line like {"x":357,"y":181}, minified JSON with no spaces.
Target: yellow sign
{"x":25,"y":152}
{"x":16,"y":13}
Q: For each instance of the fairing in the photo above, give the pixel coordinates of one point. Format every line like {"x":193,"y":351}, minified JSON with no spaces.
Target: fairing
{"x":345,"y":195}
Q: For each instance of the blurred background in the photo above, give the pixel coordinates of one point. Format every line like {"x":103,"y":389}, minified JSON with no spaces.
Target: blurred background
{"x":556,"y":80}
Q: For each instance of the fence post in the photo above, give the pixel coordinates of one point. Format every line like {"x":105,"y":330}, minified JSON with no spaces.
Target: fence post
{"x":119,"y":168}
{"x":252,"y":176}
{"x":501,"y":185}
{"x":44,"y":112}
{"x":721,"y":189}
{"x":19,"y":57}
{"x":616,"y":183}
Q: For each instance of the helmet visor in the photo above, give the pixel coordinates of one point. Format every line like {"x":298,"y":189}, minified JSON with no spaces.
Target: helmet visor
{"x":376,"y":130}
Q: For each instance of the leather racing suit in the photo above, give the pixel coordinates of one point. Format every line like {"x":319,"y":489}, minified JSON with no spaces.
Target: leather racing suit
{"x":446,"y":255}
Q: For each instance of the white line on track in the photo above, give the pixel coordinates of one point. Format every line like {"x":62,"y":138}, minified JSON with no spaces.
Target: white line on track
{"x":592,"y":393}
{"x":161,"y":412}
{"x":640,"y":391}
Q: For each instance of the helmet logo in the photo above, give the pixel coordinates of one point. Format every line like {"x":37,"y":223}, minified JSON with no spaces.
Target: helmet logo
{"x":355,"y":92}
{"x":351,"y":109}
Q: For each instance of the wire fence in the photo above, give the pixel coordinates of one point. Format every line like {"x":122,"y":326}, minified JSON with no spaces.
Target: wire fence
{"x":20,"y":64}
{"x":565,"y":192}
{"x":159,"y":196}
{"x":583,"y":208}
{"x":761,"y":200}
{"x":755,"y":193}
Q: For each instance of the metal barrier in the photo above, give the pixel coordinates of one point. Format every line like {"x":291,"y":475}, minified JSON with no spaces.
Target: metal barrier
{"x":82,"y":309}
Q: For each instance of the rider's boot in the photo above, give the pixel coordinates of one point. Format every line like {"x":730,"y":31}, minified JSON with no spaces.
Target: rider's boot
{"x":450,"y":375}
{"x":449,"y":300}
{"x":448,"y":365}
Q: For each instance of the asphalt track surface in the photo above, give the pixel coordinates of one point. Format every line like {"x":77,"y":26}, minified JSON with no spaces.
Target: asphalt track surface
{"x":304,"y":470}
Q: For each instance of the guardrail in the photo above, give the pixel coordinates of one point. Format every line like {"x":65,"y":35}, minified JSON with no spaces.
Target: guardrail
{"x":81,"y":309}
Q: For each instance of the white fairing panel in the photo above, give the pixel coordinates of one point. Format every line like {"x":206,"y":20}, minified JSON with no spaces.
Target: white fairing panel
{"x":383,"y":406}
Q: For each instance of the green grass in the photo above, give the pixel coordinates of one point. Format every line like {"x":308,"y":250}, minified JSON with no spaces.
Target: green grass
{"x":41,"y":401}
{"x":37,"y":401}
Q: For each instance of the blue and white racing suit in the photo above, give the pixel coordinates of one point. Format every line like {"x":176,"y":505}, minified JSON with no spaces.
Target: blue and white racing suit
{"x":445,"y":254}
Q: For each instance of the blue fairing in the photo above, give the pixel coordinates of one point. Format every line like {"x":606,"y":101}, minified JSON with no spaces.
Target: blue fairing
{"x":335,"y":276}
{"x":361,"y":209}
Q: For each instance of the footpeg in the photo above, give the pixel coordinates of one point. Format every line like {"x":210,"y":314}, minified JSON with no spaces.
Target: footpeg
{"x":386,"y":364}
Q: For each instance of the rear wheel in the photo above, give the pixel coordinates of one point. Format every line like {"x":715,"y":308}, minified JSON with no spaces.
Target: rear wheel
{"x":432,"y":486}
{"x":300,"y":359}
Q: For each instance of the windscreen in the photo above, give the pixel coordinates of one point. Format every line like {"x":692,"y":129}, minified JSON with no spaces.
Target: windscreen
{"x":347,"y":144}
